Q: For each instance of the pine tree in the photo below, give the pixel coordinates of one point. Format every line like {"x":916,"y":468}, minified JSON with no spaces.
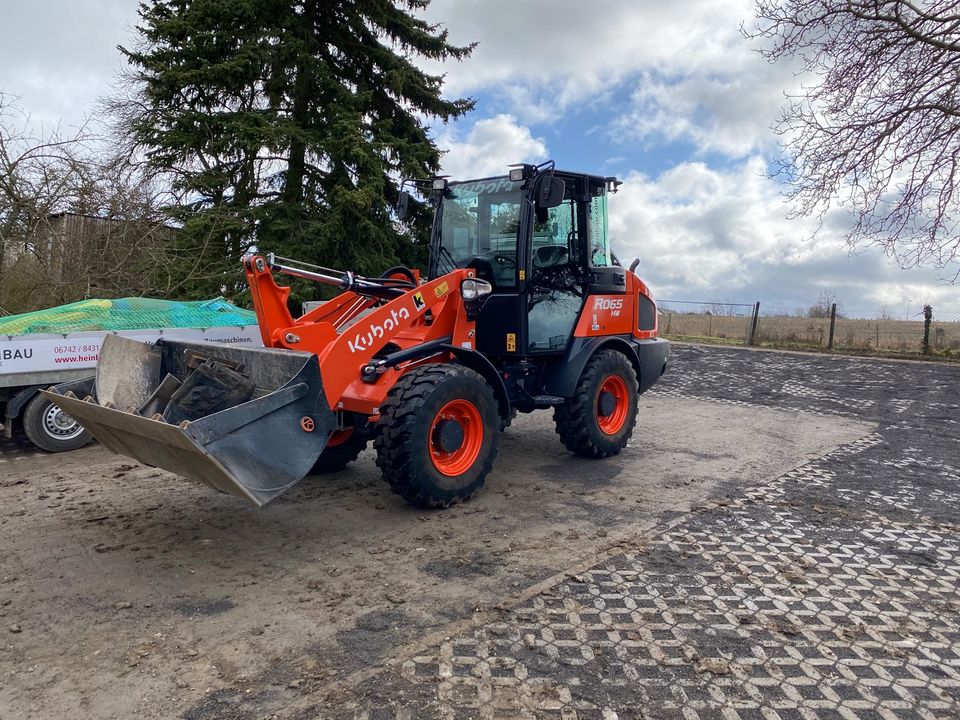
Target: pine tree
{"x":285,"y":125}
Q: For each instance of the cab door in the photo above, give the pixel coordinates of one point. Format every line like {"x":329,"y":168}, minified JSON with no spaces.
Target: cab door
{"x":555,"y":273}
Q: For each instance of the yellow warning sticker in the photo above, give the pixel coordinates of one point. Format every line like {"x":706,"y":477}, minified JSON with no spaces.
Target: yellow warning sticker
{"x":441,"y":289}
{"x":511,"y":342}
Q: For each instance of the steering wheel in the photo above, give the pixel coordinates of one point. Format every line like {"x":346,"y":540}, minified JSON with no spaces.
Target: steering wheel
{"x":550,"y":256}
{"x":505,"y":260}
{"x":401,"y":274}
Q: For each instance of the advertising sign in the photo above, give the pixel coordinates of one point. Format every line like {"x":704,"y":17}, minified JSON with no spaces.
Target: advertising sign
{"x":76,"y":351}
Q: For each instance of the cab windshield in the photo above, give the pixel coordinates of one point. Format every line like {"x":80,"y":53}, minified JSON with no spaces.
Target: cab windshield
{"x":479,"y":227}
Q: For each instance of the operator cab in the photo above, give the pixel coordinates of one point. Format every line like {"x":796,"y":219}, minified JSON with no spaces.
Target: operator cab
{"x":539,"y":237}
{"x":479,"y":224}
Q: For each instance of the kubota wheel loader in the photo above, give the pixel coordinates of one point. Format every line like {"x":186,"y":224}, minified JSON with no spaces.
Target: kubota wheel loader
{"x":523,"y":307}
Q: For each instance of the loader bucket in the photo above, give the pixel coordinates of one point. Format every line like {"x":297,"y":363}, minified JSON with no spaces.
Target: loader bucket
{"x":251,"y":422}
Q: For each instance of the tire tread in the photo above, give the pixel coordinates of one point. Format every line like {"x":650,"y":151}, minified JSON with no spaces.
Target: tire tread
{"x":397,"y":457}
{"x":571,"y":419}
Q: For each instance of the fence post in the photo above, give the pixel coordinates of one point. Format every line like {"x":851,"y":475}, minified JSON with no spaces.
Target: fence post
{"x":927,"y":317}
{"x":833,"y":324}
{"x":753,"y":325}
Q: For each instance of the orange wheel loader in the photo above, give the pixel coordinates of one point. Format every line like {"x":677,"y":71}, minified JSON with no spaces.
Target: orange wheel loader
{"x":523,"y":307}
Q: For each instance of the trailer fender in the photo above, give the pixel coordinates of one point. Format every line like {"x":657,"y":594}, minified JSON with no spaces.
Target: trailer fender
{"x":15,"y":405}
{"x":477,"y":362}
{"x":82,"y":387}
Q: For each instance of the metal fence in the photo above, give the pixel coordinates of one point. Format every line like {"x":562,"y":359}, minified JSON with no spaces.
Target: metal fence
{"x":927,"y":333}
{"x":719,"y":321}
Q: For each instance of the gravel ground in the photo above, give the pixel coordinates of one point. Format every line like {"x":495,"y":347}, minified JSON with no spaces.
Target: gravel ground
{"x":779,"y":541}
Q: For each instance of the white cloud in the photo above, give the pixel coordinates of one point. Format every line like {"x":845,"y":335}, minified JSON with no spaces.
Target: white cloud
{"x":704,"y":234}
{"x":540,"y":61}
{"x":488,"y":148}
{"x":686,"y":67}
{"x":547,"y":57}
{"x":59,"y":57}
{"x":729,"y":111}
{"x":571,"y":42}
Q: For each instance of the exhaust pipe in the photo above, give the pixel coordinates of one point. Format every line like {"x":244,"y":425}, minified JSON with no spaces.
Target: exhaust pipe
{"x":250,"y":422}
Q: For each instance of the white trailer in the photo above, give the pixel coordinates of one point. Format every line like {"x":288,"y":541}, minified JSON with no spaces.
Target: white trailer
{"x":29,"y":363}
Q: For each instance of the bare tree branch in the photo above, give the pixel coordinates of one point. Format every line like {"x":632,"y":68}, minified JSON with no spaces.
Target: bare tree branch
{"x":877,"y":133}
{"x":75,"y":220}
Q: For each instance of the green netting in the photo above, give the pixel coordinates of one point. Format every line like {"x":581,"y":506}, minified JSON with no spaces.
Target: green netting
{"x":128,"y":314}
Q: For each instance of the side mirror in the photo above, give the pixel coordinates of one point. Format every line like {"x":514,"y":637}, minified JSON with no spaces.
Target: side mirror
{"x":550,"y":191}
{"x":403,"y":206}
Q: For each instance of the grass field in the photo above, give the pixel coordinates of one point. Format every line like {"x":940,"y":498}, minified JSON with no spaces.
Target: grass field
{"x":880,"y":336}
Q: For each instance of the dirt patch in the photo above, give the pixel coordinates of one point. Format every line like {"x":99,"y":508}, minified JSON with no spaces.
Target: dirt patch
{"x":463,"y":567}
{"x":206,"y":608}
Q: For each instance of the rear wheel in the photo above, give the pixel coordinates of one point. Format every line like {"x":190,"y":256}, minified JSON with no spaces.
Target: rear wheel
{"x":50,"y":428}
{"x":343,"y":447}
{"x":438,"y":435}
{"x":598,"y":420}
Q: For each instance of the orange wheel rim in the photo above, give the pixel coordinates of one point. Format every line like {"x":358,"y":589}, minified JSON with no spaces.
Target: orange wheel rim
{"x":339,"y":437}
{"x":458,"y":418}
{"x":612,"y":418}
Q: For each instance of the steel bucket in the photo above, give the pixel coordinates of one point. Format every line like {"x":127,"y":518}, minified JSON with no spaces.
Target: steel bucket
{"x":251,"y":422}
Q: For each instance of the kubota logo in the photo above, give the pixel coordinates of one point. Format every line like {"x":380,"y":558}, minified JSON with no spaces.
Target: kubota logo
{"x":375,"y":332}
{"x":602,"y":303}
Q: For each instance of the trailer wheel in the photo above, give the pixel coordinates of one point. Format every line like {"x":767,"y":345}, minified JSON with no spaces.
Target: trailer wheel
{"x":50,"y":428}
{"x":343,"y":447}
{"x":438,"y":435}
{"x":598,"y":420}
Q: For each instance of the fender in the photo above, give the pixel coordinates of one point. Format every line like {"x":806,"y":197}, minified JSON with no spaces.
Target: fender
{"x":15,"y":405}
{"x":560,"y":375}
{"x":478,"y":363}
{"x":17,"y":402}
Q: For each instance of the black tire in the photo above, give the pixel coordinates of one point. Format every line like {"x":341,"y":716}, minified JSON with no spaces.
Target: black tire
{"x":335,"y":458}
{"x":579,"y":420}
{"x":19,"y":436}
{"x":49,"y":428}
{"x":406,"y":440}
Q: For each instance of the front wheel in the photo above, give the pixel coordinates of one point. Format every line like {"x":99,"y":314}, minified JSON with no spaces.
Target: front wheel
{"x":49,"y":428}
{"x":343,"y":447}
{"x":598,"y":420}
{"x":438,"y":435}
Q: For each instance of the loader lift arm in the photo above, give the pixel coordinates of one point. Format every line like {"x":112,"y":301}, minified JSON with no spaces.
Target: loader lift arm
{"x":399,"y":314}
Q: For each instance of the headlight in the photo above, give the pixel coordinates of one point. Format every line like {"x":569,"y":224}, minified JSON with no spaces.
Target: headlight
{"x":472,"y":289}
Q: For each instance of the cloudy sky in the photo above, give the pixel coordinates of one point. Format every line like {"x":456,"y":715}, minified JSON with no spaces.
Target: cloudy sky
{"x":667,"y":96}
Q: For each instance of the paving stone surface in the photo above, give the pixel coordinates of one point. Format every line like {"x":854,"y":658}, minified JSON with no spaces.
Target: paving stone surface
{"x":832,"y":591}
